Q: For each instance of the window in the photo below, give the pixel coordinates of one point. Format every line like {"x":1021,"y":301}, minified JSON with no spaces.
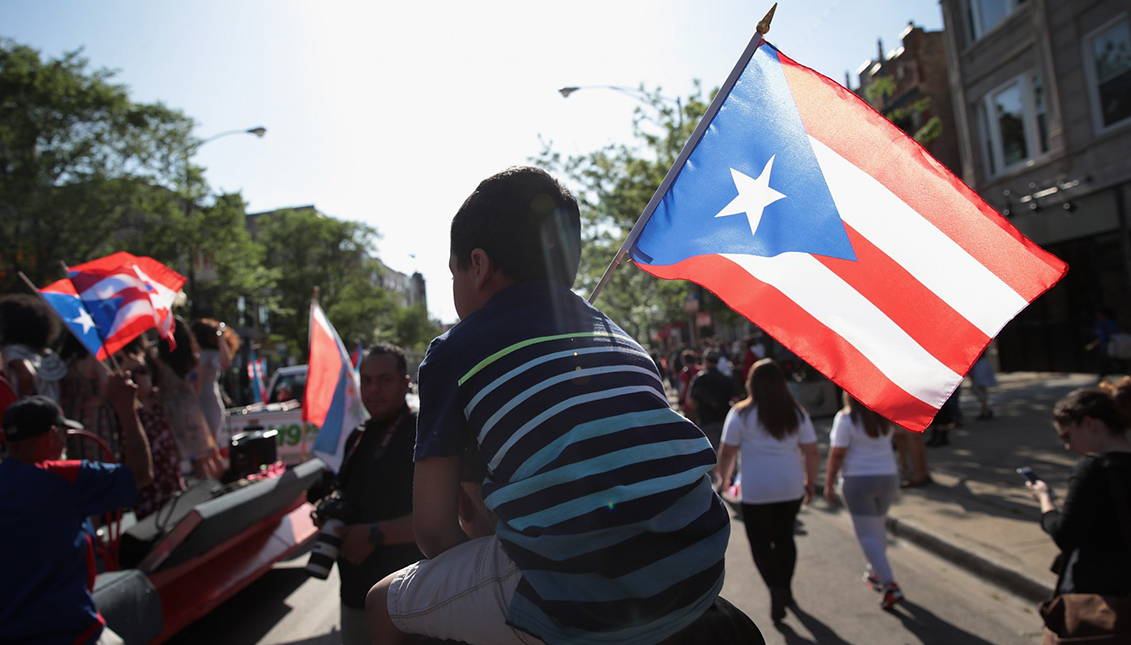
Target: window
{"x":984,"y":15}
{"x":1015,"y":120}
{"x":1107,"y":59}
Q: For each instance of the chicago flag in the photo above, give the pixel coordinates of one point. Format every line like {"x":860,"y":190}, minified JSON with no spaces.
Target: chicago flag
{"x":809,"y":213}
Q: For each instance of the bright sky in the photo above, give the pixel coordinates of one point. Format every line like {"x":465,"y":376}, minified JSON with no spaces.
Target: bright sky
{"x":392,"y":112}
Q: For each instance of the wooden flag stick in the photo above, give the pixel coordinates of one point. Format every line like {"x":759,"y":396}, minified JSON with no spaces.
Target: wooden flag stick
{"x":688,"y":148}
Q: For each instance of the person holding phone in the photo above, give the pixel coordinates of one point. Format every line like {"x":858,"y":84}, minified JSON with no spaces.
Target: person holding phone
{"x":1090,"y":526}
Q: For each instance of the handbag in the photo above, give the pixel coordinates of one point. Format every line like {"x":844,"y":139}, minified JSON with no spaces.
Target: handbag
{"x":1086,"y":617}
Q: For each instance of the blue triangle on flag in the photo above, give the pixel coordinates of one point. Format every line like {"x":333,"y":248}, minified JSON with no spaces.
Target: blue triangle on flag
{"x":757,"y":122}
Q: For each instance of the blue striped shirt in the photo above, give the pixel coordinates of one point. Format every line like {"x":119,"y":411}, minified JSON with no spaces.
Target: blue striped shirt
{"x":601,"y":489}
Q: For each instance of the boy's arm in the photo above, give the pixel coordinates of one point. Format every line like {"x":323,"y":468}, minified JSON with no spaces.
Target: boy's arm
{"x":435,"y":505}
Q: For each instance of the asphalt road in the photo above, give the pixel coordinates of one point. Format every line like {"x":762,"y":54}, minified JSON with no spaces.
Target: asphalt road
{"x":943,"y":605}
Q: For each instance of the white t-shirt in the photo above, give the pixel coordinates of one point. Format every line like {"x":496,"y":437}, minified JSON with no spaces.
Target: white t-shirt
{"x":772,"y":469}
{"x":866,"y":455}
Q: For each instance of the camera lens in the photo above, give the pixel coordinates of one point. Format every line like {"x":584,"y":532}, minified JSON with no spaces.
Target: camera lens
{"x":325,"y":550}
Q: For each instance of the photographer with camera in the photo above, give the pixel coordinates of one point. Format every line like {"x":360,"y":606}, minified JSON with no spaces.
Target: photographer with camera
{"x":370,"y":508}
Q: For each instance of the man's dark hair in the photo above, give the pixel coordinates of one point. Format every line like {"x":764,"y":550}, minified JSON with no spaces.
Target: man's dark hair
{"x":386,"y":349}
{"x":526,"y":222}
{"x":26,"y":320}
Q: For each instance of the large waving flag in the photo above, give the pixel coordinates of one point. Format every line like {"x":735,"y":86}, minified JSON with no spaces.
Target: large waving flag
{"x":62,"y":297}
{"x":809,"y":213}
{"x":256,"y":371}
{"x":126,"y":296}
{"x":333,"y":393}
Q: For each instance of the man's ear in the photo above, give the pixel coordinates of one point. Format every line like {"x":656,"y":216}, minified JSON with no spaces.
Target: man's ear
{"x":481,"y":267}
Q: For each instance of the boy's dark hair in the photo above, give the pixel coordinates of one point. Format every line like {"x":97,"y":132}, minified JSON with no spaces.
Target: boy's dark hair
{"x":385,"y":349}
{"x":526,"y":222}
{"x":26,"y":320}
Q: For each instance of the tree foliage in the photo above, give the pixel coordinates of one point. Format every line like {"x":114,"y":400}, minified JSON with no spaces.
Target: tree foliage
{"x":80,"y":163}
{"x":312,"y":250}
{"x":880,"y":91}
{"x":613,"y":186}
{"x":86,"y":171}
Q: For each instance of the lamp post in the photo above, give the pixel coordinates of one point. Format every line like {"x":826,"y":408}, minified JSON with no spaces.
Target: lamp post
{"x":639,"y":95}
{"x":258,"y":131}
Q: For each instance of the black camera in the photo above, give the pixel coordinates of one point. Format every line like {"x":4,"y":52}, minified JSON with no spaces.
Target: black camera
{"x":333,"y":512}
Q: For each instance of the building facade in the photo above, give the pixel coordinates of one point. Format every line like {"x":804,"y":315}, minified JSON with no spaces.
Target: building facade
{"x":1042,"y":96}
{"x":914,"y":89}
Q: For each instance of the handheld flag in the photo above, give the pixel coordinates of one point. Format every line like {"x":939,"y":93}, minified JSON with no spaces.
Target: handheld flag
{"x":333,"y":393}
{"x":812,"y":215}
{"x":358,"y":352}
{"x":255,"y":375}
{"x":62,"y":297}
{"x":126,"y":296}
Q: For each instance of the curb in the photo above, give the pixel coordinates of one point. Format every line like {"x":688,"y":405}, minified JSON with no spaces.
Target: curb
{"x":1009,"y":579}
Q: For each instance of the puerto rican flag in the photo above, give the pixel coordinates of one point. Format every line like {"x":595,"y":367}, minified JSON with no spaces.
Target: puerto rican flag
{"x":332,"y":400}
{"x":62,"y":297}
{"x":358,"y":352}
{"x":256,"y":371}
{"x":809,"y":213}
{"x":127,"y":295}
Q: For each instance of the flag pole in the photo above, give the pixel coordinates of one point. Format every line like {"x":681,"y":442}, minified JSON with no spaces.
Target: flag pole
{"x":34,"y":288}
{"x":759,"y":36}
{"x":109,"y":356}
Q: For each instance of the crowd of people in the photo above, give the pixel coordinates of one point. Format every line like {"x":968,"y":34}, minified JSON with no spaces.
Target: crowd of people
{"x":179,"y":401}
{"x":546,"y":490}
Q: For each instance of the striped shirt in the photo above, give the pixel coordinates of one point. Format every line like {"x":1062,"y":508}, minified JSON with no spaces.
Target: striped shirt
{"x":601,"y":489}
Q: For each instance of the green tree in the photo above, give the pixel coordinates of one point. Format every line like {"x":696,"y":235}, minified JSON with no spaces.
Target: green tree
{"x":80,"y":163}
{"x":411,"y":329}
{"x":881,"y":90}
{"x":312,"y":250}
{"x":613,"y":186}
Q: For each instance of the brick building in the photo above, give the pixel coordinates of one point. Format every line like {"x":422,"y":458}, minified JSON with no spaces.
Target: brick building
{"x":917,"y":70}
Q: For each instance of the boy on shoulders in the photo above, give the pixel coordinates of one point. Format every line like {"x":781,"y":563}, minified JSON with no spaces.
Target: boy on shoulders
{"x":608,"y":525}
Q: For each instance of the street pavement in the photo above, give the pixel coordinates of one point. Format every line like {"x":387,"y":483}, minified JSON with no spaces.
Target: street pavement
{"x":968,"y":549}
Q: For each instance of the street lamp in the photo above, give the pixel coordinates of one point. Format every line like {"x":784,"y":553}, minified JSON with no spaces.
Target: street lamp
{"x":258,"y":131}
{"x":639,"y":95}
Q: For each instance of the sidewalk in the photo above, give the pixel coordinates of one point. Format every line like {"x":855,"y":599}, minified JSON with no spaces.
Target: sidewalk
{"x":978,"y":513}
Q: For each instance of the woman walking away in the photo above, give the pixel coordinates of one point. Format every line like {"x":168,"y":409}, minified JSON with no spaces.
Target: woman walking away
{"x":860,"y":452}
{"x":773,"y":432}
{"x":1093,"y":526}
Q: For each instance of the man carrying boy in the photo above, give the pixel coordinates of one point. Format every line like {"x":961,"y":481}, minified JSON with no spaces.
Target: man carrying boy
{"x":608,"y":527}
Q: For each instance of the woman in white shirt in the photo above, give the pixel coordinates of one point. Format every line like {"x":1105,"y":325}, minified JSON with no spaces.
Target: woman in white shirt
{"x":860,"y":452}
{"x":773,"y":433}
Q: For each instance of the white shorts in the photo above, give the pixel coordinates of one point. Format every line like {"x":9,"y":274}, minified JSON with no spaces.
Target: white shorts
{"x":463,"y":594}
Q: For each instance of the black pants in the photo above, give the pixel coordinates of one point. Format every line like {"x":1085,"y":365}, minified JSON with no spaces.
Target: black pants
{"x":769,"y":528}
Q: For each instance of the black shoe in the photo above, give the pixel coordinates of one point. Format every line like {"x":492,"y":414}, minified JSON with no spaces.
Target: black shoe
{"x":779,"y":600}
{"x":944,"y":439}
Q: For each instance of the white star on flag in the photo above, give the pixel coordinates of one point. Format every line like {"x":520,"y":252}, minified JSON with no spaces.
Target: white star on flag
{"x":754,"y":195}
{"x":85,"y":320}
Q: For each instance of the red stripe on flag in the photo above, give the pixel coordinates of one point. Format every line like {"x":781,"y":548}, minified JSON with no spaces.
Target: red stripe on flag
{"x":932,"y":323}
{"x":815,"y":343}
{"x":910,"y":173}
{"x":325,"y":367}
